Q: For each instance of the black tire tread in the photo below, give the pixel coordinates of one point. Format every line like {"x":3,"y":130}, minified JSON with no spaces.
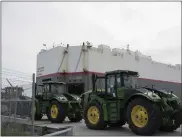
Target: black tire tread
{"x":61,"y":116}
{"x":101,"y":124}
{"x":154,"y":117}
{"x":37,"y":116}
{"x":169,"y":128}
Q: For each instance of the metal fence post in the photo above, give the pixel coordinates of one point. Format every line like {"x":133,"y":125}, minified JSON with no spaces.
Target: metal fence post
{"x":16,"y":102}
{"x":9,"y":103}
{"x":33,"y":101}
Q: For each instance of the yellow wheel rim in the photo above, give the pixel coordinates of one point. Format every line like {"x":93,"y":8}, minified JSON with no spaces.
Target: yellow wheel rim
{"x":139,"y":116}
{"x":54,"y":111}
{"x":93,"y":115}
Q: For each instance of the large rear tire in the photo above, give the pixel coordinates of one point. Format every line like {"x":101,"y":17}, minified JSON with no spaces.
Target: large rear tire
{"x":94,"y":117}
{"x":143,"y":118}
{"x":56,"y":112}
{"x":169,"y":128}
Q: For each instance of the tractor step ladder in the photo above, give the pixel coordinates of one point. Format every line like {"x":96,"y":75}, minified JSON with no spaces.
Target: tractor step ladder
{"x":112,"y":110}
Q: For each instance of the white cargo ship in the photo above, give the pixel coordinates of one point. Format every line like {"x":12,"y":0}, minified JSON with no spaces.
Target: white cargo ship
{"x":75,"y":64}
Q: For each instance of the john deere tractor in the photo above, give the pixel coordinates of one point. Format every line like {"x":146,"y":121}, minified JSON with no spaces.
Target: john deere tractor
{"x":121,"y":101}
{"x":53,"y":100}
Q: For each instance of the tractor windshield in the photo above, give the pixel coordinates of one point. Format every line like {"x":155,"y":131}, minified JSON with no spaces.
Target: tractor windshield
{"x":100,"y":84}
{"x":58,"y":88}
{"x":110,"y":84}
{"x":130,"y":81}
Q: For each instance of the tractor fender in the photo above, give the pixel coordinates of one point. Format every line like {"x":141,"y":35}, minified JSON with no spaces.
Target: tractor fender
{"x":150,"y":96}
{"x":60,"y":99}
{"x":103,"y":104}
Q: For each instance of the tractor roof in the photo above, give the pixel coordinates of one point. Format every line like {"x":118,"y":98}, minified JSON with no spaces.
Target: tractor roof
{"x":122,"y":71}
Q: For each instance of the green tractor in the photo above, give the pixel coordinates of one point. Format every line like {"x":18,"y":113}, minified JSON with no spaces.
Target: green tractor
{"x":53,"y":100}
{"x":145,"y":110}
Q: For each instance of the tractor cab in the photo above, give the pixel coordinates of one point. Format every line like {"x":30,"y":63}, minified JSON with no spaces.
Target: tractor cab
{"x":122,"y":78}
{"x":49,"y":89}
{"x":53,"y":99}
{"x":112,"y":83}
{"x":121,"y":102}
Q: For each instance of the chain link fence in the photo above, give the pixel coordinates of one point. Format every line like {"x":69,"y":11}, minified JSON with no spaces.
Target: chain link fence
{"x":17,"y":117}
{"x":17,"y":107}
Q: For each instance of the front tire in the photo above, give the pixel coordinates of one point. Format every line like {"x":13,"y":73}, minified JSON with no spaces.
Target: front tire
{"x":169,"y":128}
{"x":56,"y":112}
{"x":143,"y":118}
{"x":36,"y":115}
{"x":177,"y":122}
{"x":94,"y":117}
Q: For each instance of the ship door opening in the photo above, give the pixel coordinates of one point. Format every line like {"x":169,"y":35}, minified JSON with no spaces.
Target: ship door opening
{"x":76,"y":88}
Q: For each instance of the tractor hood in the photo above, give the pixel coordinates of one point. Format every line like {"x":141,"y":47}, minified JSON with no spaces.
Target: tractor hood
{"x":147,"y":93}
{"x":72,"y":97}
{"x":85,"y":93}
{"x":162,"y":93}
{"x":75,"y":97}
{"x":156,"y":93}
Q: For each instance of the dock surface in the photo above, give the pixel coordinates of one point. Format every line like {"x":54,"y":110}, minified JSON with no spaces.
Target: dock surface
{"x":80,"y":129}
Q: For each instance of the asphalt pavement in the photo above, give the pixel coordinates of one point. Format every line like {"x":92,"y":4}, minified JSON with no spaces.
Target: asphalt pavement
{"x":80,"y":129}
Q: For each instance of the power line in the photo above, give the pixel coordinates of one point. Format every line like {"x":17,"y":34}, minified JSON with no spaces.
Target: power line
{"x":17,"y":71}
{"x":16,"y":82}
{"x":16,"y":79}
{"x":27,"y":88}
{"x":7,"y":74}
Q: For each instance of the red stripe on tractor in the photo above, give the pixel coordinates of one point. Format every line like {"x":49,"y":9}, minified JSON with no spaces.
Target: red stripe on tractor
{"x":98,"y":73}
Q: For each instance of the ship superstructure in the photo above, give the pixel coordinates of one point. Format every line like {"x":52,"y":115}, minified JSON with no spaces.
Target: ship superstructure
{"x":75,"y":64}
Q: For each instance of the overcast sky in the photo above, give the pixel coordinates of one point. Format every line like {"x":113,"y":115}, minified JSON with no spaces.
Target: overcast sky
{"x":152,"y":28}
